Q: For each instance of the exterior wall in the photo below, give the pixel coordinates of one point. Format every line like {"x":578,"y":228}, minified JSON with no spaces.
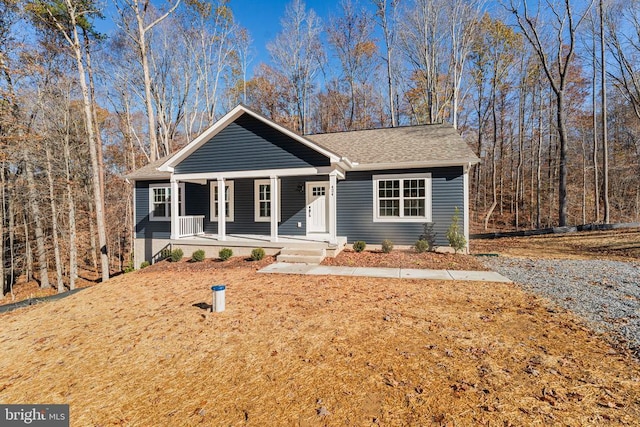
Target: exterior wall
{"x":197,"y":202}
{"x":249,"y":144}
{"x":144,"y":227}
{"x":355,"y":207}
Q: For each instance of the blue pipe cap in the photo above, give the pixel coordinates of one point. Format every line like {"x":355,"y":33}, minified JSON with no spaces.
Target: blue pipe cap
{"x":218,"y":288}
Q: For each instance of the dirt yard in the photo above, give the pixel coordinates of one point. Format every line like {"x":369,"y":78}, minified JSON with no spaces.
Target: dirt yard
{"x":295,"y":350}
{"x":616,"y":245}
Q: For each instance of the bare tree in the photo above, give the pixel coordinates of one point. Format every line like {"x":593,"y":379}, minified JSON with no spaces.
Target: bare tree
{"x":297,"y":54}
{"x":141,"y":12}
{"x":556,"y":58}
{"x":387,"y":16}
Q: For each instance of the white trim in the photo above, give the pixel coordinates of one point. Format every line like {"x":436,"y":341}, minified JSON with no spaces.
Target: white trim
{"x":376,"y":201}
{"x":212,"y":200}
{"x":307,"y":192}
{"x":465,"y":185}
{"x":256,"y":201}
{"x":250,"y":174}
{"x":222,"y":222}
{"x":411,"y":165}
{"x":274,"y":184}
{"x":333,"y":208}
{"x":151,"y":199}
{"x":228,"y":119}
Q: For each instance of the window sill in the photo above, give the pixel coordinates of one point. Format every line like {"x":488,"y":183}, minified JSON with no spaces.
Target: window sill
{"x":398,"y":219}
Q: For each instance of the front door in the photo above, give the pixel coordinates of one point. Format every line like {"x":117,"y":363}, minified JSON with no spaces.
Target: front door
{"x":317,"y":207}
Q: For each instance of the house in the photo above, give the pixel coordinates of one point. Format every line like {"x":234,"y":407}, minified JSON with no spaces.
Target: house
{"x":282,"y":190}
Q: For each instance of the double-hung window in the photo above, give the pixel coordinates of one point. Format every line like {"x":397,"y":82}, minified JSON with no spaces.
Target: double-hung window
{"x":263,"y":200}
{"x":228,"y":201}
{"x":402,"y":198}
{"x":160,"y":201}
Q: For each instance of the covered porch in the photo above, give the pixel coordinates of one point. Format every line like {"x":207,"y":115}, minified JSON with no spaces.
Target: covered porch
{"x":303,"y":203}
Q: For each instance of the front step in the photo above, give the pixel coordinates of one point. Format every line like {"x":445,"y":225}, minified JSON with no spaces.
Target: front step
{"x":302,"y":256}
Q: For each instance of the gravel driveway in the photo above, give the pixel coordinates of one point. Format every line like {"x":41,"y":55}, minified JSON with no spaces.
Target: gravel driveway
{"x":605,"y":293}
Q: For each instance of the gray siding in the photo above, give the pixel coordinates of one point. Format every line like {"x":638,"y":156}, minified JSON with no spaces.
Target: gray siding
{"x":355,"y":207}
{"x":198,"y":203}
{"x":145,"y":228}
{"x":249,"y":144}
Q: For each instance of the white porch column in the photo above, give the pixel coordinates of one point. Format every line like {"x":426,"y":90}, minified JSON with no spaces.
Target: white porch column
{"x":222,"y":220}
{"x":333,"y":194}
{"x":175,"y":209}
{"x":465,"y":215}
{"x":275,"y":209}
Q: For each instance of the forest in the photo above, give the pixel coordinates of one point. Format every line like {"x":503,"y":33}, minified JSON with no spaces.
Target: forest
{"x":547,"y":93}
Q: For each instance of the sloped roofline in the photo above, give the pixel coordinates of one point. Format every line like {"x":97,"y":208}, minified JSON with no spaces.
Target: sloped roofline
{"x":225,"y":121}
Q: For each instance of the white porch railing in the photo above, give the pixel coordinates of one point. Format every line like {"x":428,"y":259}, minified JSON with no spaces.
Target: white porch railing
{"x":190,"y":225}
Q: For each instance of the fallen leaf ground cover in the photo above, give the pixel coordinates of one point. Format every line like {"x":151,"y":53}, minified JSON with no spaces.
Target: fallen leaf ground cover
{"x":616,"y":245}
{"x":143,"y":350}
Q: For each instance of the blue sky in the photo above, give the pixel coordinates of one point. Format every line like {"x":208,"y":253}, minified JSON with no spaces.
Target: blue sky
{"x":260,"y":17}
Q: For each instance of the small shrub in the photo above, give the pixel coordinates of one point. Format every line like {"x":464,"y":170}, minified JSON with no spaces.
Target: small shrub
{"x":129,"y":268}
{"x":144,"y":264}
{"x":197,"y":256}
{"x":359,"y":246}
{"x":387,"y":246}
{"x":257,"y":254}
{"x":456,"y":239}
{"x":421,"y":246}
{"x":225,"y":254}
{"x":176,"y":255}
{"x":428,"y":235}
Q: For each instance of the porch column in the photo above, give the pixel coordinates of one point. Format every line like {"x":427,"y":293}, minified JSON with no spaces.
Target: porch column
{"x":275,"y":209}
{"x":175,"y":209}
{"x":222,"y":220}
{"x":333,"y":193}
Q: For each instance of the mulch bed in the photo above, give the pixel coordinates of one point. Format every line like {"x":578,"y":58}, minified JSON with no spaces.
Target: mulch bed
{"x":405,"y":259}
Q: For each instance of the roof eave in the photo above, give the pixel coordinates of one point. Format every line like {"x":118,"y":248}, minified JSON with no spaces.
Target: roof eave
{"x":413,"y":165}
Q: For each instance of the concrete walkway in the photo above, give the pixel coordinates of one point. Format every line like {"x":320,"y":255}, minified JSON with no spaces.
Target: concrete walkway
{"x":396,"y":273}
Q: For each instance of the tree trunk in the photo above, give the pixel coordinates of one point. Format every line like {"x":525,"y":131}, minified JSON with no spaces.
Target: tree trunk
{"x":562,"y":182}
{"x":2,"y":222}
{"x":605,"y":143}
{"x":594,"y":112}
{"x":151,"y":118}
{"x":73,"y":244}
{"x":54,"y":222}
{"x":93,"y":149}
{"x":41,"y":251}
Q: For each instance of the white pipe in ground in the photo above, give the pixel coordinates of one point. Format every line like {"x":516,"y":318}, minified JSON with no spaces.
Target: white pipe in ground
{"x":217,"y":304}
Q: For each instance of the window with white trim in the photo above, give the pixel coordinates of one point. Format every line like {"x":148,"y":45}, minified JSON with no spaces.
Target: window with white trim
{"x":402,"y":198}
{"x":263,"y":194}
{"x":228,"y":200}
{"x":160,"y":201}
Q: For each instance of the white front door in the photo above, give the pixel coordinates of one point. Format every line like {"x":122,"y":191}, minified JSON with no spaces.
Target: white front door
{"x":317,"y":207}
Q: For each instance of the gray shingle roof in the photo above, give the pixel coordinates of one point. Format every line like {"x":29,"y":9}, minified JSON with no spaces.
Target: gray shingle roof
{"x":425,"y":145}
{"x":150,"y":171}
{"x":428,"y":144}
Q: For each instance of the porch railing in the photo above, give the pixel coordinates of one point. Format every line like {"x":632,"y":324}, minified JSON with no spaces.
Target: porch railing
{"x":190,"y":225}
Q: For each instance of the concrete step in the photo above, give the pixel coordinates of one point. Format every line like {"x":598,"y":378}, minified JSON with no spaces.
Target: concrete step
{"x":304,"y":251}
{"x":300,"y":259}
{"x":302,"y":255}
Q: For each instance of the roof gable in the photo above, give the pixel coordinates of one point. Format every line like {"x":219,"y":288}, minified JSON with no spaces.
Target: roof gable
{"x":250,"y":144}
{"x":262,"y":134}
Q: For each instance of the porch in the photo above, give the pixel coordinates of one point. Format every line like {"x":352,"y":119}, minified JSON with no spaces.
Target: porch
{"x":240,"y":244}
